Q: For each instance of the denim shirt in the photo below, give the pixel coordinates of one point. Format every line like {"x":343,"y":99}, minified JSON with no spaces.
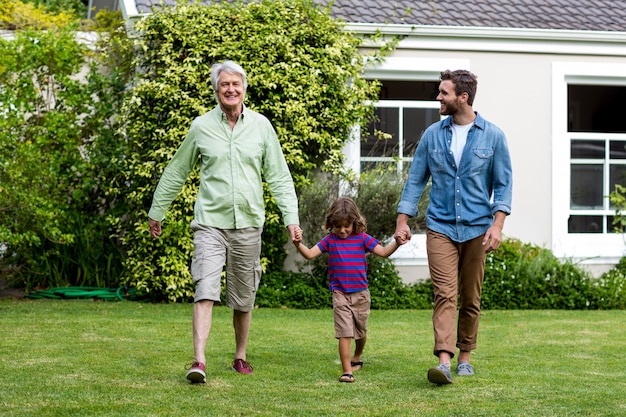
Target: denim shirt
{"x":463,"y":199}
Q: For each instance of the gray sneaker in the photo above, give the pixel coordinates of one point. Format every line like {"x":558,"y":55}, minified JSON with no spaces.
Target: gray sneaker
{"x":464,"y":369}
{"x":440,"y":374}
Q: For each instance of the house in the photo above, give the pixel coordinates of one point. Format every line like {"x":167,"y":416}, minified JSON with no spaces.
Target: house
{"x":552,"y":75}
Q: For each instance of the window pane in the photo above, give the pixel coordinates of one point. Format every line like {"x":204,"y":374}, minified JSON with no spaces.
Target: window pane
{"x":587,"y":149}
{"x":618,"y":149}
{"x":415,"y":122}
{"x":584,"y":224}
{"x":586,"y":186}
{"x":388,"y":122}
{"x":611,"y":228}
{"x":617,"y":175}
{"x":383,"y":165}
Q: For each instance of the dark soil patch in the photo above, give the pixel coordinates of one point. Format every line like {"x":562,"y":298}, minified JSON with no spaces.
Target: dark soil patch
{"x":8,"y":292}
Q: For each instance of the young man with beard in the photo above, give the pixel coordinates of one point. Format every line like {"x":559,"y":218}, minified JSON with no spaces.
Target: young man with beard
{"x":467,"y":159}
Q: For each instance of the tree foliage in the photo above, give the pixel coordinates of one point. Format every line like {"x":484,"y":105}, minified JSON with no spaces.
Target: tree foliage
{"x":305,"y":74}
{"x":18,"y":15}
{"x":57,"y":127}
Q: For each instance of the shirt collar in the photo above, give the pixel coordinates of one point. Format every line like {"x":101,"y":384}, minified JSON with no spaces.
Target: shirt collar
{"x":242,"y":116}
{"x":479,"y":122}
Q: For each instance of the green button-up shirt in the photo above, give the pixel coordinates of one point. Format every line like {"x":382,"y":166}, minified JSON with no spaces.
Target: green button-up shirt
{"x":232,"y":163}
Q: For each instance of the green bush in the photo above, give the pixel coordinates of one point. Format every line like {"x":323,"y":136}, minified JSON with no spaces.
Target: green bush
{"x":517,"y":276}
{"x":524,"y":276}
{"x":310,"y":290}
{"x":389,"y":292}
{"x":58,"y":104}
{"x":617,"y":197}
{"x":293,"y":290}
{"x":610,"y":288}
{"x":305,"y":73}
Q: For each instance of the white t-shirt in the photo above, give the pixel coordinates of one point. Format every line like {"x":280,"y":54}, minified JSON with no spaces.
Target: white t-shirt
{"x":459,"y":138}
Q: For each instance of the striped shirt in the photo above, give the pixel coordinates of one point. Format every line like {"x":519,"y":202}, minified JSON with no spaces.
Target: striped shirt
{"x":347,"y":266}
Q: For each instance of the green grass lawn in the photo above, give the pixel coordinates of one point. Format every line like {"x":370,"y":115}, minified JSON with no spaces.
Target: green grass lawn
{"x":84,"y":358}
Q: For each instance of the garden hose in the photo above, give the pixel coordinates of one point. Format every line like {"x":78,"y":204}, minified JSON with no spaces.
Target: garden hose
{"x":107,"y":294}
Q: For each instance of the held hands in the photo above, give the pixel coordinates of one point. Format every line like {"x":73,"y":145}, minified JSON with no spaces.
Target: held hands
{"x":401,"y":237}
{"x":297,"y":239}
{"x":296,"y":234}
{"x":403,"y":231}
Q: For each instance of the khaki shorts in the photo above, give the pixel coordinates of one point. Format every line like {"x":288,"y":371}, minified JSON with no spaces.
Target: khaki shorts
{"x":351,"y":311}
{"x":239,"y":250}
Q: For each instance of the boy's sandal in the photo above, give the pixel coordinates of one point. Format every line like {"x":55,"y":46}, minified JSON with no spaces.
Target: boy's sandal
{"x":356,"y":365}
{"x":346,"y":378}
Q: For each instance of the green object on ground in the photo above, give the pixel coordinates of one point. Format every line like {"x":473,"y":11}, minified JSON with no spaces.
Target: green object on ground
{"x":107,"y":294}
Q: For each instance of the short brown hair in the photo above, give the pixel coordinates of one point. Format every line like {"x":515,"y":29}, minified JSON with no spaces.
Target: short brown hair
{"x":464,"y":82}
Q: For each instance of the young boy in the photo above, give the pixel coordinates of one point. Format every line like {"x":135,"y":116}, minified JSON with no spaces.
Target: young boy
{"x":347,"y":245}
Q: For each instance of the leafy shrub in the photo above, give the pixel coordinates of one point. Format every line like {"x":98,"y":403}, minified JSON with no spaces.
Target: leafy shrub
{"x":389,"y":292}
{"x":21,"y":15}
{"x":523,"y":276}
{"x":310,"y":290}
{"x":517,"y":276}
{"x":617,"y":197}
{"x":57,"y":107}
{"x":305,"y":73}
{"x":610,"y":288}
{"x":293,"y":290}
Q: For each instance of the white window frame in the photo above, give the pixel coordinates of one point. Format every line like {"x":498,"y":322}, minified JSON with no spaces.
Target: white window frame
{"x":400,"y":158}
{"x":586,"y":248}
{"x":605,"y":162}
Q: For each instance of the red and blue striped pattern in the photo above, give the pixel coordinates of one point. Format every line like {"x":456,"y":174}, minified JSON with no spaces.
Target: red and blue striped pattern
{"x":347,"y":265}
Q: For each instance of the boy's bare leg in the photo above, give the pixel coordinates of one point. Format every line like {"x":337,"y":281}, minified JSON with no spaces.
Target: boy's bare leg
{"x":344,"y":354}
{"x":358,"y":353}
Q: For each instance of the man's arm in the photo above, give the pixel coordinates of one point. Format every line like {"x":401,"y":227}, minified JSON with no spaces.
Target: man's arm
{"x":173,"y":178}
{"x":279,"y":179}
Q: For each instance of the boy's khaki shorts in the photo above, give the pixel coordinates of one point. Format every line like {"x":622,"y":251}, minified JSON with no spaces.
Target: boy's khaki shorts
{"x":240,"y":251}
{"x":351,"y":312}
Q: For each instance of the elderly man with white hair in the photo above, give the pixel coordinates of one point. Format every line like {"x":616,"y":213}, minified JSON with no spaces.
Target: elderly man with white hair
{"x":237,"y":149}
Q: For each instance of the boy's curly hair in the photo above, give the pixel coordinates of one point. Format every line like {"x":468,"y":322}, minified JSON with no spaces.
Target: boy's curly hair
{"x":344,"y":210}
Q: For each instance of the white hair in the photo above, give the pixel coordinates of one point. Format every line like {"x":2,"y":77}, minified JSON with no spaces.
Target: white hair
{"x":229,"y":67}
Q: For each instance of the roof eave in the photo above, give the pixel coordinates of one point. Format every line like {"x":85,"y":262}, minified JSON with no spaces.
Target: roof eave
{"x":466,"y":38}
